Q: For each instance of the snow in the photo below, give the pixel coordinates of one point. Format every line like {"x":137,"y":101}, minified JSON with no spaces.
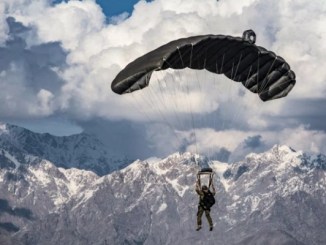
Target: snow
{"x":156,"y":167}
{"x":219,"y":168}
{"x":177,"y":187}
{"x":84,"y":197}
{"x":144,"y":193}
{"x":59,"y":200}
{"x":134,"y":168}
{"x":235,"y":197}
{"x":284,"y":148}
{"x":153,"y":160}
{"x":292,"y":159}
{"x":77,"y":181}
{"x":40,"y":176}
{"x":3,"y":128}
{"x":162,"y":208}
{"x":294,"y":184}
{"x":73,"y":188}
{"x":70,"y":185}
{"x":12,"y":159}
{"x":256,"y":191}
{"x":255,"y":200}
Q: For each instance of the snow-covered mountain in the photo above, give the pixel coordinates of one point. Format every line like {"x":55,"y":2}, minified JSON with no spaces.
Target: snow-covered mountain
{"x":82,"y":151}
{"x":274,"y":198}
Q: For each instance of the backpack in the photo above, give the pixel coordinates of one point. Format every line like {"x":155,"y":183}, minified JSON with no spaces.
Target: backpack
{"x":208,"y":200}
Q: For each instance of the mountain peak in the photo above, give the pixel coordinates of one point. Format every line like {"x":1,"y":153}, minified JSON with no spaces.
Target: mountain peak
{"x":81,"y":151}
{"x":283,"y":148}
{"x":277,"y":154}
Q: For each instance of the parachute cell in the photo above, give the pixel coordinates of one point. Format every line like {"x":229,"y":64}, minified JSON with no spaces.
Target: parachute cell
{"x":259,"y":70}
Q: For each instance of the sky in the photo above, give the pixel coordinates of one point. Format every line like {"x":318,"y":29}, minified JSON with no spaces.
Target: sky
{"x":111,"y":7}
{"x":58,"y":59}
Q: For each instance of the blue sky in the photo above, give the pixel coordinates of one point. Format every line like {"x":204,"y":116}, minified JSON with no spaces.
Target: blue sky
{"x":112,"y":7}
{"x":57,"y":62}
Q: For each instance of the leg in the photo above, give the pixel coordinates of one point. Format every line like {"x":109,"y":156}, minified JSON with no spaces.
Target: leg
{"x":209,"y":219}
{"x":199,"y":215}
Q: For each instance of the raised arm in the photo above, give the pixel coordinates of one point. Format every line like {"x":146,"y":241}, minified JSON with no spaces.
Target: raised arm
{"x":213,"y":188}
{"x":198,"y":188}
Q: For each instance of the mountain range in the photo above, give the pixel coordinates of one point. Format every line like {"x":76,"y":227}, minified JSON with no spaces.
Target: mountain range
{"x":48,"y":196}
{"x":82,"y":151}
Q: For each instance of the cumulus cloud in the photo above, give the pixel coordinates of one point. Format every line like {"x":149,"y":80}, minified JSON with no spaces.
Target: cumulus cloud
{"x":3,"y":26}
{"x":28,"y":75}
{"x":61,"y":59}
{"x":301,"y":138}
{"x":233,"y":145}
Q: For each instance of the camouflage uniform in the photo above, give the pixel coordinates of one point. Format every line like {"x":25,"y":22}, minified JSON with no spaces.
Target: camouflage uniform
{"x":202,"y":209}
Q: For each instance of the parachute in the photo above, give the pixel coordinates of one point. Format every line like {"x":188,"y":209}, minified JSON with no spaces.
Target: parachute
{"x":238,"y":58}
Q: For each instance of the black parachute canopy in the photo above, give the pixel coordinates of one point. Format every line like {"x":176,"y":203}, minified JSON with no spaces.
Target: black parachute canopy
{"x":259,"y":70}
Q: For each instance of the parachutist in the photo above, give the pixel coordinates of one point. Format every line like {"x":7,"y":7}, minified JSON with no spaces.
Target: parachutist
{"x":206,"y":200}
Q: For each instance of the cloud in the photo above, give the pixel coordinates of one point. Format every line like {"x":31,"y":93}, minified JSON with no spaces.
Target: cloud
{"x":60,"y":59}
{"x":300,"y":138}
{"x":253,"y":141}
{"x":3,"y":26}
{"x":248,"y":145}
{"x":28,"y":77}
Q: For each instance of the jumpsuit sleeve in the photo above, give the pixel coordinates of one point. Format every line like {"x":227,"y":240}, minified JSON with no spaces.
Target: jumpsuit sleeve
{"x":198,"y":189}
{"x":213,"y":191}
{"x":199,"y":192}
